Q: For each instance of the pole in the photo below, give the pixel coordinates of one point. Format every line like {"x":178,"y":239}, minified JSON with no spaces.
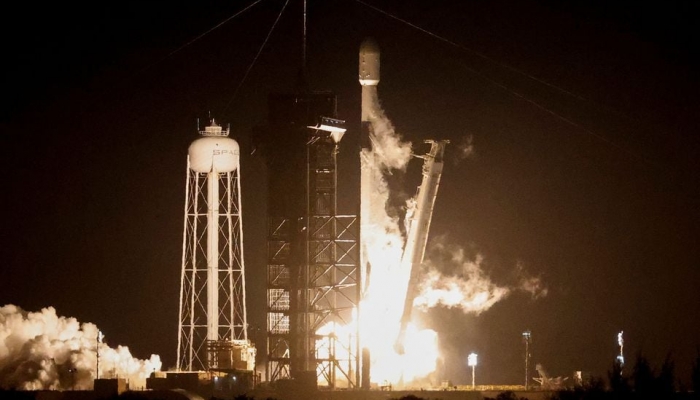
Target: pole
{"x":100,"y":336}
{"x":527,"y":356}
{"x":471,"y":360}
{"x":473,"y":368}
{"x":526,"y":338}
{"x":303,"y":45}
{"x":72,"y":371}
{"x":213,"y":256}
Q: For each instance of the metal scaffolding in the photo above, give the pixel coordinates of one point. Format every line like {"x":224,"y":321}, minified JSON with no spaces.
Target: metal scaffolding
{"x":212,"y":291}
{"x":312,"y":268}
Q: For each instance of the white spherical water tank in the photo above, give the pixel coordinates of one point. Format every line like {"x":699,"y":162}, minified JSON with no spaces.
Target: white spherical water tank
{"x":211,"y":152}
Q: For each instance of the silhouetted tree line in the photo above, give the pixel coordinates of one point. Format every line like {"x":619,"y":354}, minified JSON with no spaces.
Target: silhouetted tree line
{"x":507,"y":395}
{"x":642,"y":383}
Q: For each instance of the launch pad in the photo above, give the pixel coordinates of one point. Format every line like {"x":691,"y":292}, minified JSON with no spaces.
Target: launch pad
{"x":325,"y":309}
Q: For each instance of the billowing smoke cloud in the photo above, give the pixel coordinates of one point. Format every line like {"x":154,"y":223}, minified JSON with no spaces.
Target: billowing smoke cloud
{"x":453,"y":280}
{"x":41,"y":350}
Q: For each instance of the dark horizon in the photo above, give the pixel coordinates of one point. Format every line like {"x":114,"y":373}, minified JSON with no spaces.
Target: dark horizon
{"x":583,"y":119}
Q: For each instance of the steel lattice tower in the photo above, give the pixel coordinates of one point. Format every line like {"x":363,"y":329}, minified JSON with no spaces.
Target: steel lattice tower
{"x":312,"y":271}
{"x":212,"y":331}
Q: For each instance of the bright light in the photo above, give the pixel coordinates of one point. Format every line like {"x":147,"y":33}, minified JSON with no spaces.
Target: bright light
{"x":471,"y":360}
{"x":621,"y":356}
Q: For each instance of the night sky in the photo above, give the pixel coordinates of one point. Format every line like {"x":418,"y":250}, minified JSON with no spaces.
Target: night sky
{"x":583,"y":118}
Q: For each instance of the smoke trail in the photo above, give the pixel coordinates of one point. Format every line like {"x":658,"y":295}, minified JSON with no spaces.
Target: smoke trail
{"x":41,"y":350}
{"x":388,"y":151}
{"x":454,"y":281}
{"x":383,"y":238}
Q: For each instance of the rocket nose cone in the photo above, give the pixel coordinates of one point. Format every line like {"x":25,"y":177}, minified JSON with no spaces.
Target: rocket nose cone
{"x":369,"y":46}
{"x":369,"y":62}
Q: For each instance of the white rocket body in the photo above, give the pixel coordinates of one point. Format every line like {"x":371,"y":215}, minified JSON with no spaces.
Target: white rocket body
{"x":369,"y":79}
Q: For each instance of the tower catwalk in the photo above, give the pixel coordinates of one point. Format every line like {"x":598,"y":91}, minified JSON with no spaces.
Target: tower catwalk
{"x":312,"y":269}
{"x":212,"y":330}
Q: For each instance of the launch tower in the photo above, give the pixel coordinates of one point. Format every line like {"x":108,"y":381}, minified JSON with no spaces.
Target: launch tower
{"x":312,"y":268}
{"x":212,"y":330}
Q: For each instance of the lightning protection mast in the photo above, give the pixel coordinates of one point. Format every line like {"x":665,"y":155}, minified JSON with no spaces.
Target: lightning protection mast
{"x":212,"y":331}
{"x":527,"y":339}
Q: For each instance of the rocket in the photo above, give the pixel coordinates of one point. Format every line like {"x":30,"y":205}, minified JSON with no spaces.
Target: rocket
{"x":369,"y":79}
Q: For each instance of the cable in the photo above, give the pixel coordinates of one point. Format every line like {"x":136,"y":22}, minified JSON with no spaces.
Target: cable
{"x":215,"y":27}
{"x":256,"y":57}
{"x":508,"y":89}
{"x":124,"y":80}
{"x":485,"y":57}
{"x":220,"y":24}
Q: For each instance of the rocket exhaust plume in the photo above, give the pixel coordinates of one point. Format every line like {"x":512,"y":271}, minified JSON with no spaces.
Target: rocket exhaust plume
{"x":385,"y":307}
{"x":44,"y":351}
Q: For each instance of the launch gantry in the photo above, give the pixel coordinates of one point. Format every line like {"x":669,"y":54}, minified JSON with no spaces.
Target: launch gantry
{"x":312,"y":267}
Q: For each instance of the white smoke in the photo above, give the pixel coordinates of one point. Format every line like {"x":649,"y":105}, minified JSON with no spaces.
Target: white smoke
{"x":382,"y":237}
{"x":389,"y":151}
{"x":383,"y":242}
{"x":453,"y":280}
{"x":41,"y":350}
{"x":467,"y":286}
